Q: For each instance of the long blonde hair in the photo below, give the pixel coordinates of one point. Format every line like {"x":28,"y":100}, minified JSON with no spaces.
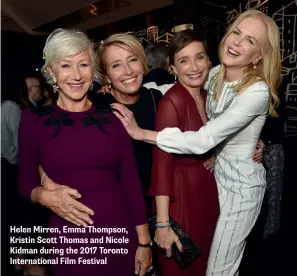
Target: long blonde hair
{"x":268,"y":68}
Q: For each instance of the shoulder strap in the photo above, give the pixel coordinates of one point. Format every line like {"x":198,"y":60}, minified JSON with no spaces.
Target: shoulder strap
{"x":155,"y":107}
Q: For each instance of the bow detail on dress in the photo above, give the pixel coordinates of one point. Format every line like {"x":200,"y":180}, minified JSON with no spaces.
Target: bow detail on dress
{"x":57,"y":122}
{"x":42,"y":110}
{"x":96,"y":119}
{"x":58,"y":119}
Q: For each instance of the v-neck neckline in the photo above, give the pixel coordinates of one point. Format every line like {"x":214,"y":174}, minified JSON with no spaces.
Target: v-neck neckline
{"x":202,"y":92}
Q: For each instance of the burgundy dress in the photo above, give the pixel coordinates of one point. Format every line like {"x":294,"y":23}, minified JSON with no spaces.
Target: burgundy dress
{"x":191,"y":188}
{"x":91,"y":152}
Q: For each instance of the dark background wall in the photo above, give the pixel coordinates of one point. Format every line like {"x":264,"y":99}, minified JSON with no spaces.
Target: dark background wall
{"x":285,"y":16}
{"x":21,"y":54}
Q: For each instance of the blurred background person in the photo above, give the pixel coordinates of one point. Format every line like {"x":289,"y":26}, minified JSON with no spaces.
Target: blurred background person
{"x":32,"y":92}
{"x":157,"y":62}
{"x":10,"y":119}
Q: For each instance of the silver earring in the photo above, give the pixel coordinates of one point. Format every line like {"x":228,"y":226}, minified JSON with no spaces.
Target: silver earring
{"x":109,"y":86}
{"x":55,"y":88}
{"x":91,"y":87}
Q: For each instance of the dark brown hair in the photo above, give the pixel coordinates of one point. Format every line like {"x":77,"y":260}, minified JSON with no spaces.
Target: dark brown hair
{"x":182,"y":39}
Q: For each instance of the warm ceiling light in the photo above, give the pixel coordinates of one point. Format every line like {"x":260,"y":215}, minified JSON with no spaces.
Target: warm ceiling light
{"x":93,"y":9}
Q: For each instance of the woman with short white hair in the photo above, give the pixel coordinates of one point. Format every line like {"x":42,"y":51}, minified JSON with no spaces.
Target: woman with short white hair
{"x":86,"y":148}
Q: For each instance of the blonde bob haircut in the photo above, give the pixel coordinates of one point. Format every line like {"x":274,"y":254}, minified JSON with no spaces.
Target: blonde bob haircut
{"x":125,"y":41}
{"x":268,"y":68}
{"x":62,"y":43}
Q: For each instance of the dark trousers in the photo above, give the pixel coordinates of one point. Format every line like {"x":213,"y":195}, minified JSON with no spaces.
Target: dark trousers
{"x":9,"y":214}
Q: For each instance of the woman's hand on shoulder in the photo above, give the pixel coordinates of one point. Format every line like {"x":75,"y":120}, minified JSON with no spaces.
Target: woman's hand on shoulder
{"x":62,"y":200}
{"x":128,"y":120}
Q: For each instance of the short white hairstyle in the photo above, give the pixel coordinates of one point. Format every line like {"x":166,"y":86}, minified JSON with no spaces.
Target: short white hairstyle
{"x":62,"y":43}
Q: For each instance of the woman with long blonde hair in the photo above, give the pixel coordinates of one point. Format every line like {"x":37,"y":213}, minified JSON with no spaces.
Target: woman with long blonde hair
{"x":241,"y":92}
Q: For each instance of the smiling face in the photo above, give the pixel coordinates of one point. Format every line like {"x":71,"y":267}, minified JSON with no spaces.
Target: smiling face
{"x":191,"y":64}
{"x":123,"y":69}
{"x":73,"y":75}
{"x":244,"y":45}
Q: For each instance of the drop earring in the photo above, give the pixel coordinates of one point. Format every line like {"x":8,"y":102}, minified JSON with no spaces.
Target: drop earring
{"x":55,"y":88}
{"x":109,"y":86}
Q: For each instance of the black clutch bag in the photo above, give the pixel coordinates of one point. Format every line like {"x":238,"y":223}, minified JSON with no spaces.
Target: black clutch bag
{"x":191,"y":249}
{"x":152,"y":272}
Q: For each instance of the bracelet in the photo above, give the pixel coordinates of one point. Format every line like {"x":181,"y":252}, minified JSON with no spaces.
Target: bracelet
{"x":162,"y":221}
{"x":41,"y":179}
{"x":163,"y":226}
{"x":146,"y":245}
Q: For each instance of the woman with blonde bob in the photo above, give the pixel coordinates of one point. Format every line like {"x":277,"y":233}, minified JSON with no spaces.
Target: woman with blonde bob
{"x":241,"y":92}
{"x":86,"y":148}
{"x":122,"y":63}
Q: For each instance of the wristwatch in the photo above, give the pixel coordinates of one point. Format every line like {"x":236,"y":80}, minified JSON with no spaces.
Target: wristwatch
{"x":146,"y":245}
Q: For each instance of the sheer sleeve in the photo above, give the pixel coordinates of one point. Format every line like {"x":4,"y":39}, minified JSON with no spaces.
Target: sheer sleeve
{"x":162,"y":169}
{"x":28,"y":156}
{"x":245,"y":107}
{"x":129,"y":179}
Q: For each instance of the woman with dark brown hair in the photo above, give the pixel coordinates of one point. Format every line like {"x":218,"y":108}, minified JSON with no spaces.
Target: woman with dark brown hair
{"x":184,"y":189}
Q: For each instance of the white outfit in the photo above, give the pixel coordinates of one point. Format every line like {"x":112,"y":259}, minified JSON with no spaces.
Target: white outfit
{"x":162,"y":88}
{"x":234,"y":127}
{"x":10,"y":120}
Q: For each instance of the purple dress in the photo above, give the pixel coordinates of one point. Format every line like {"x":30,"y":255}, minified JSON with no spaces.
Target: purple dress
{"x":91,"y":152}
